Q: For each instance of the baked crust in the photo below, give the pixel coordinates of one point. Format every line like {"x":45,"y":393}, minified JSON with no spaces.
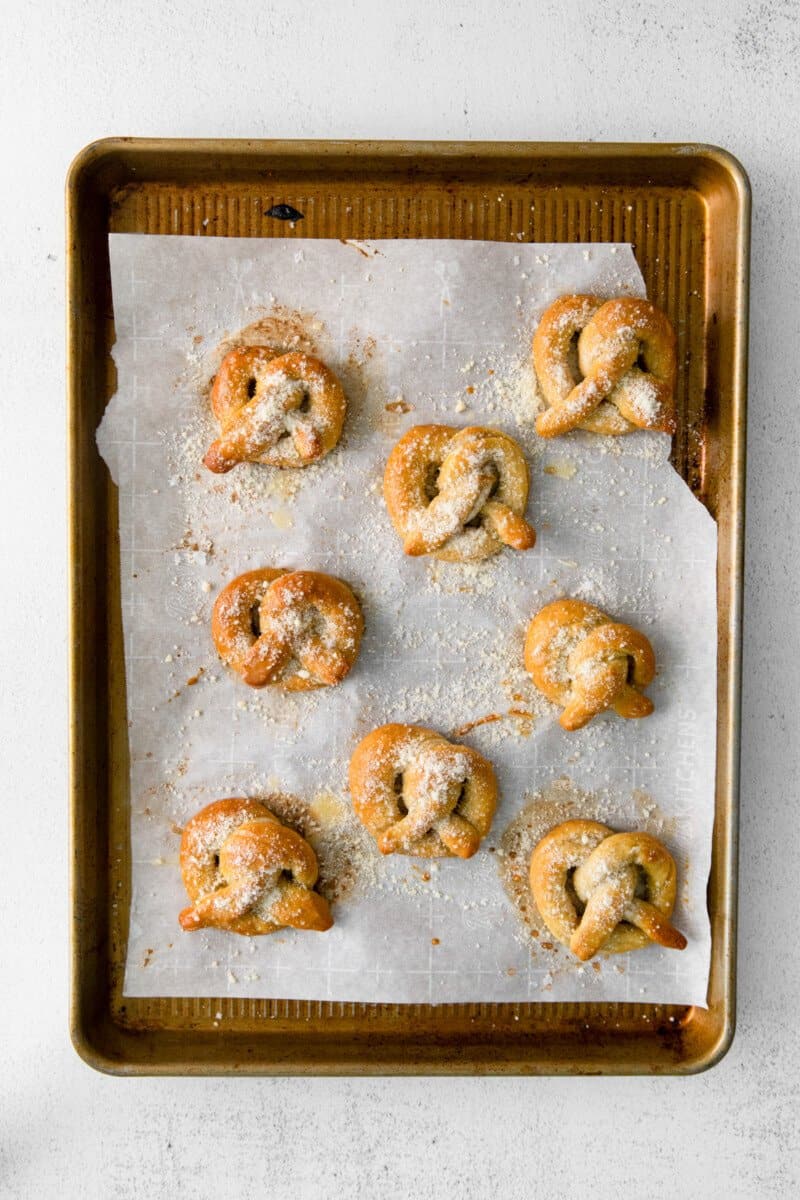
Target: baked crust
{"x":624,"y":377}
{"x":292,"y":629}
{"x":421,"y":795}
{"x":600,"y":890}
{"x":283,"y":410}
{"x":458,"y":494}
{"x":246,"y":872}
{"x":583,"y":660}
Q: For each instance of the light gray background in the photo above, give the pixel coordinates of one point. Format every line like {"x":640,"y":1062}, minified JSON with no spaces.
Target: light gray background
{"x":725,"y":72}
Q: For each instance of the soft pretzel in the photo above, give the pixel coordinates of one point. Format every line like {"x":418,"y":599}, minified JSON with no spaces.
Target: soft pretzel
{"x":459,"y":494}
{"x":623,"y":376}
{"x":295,"y":629}
{"x":285,"y":410}
{"x":246,"y":872}
{"x":583,"y":660}
{"x":600,"y":890}
{"x":419,"y":794}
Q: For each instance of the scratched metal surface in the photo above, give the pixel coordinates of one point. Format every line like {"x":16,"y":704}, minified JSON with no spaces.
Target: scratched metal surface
{"x":659,"y":200}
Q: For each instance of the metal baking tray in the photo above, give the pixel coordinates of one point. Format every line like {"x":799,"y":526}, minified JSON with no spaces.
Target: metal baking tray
{"x":686,"y":210}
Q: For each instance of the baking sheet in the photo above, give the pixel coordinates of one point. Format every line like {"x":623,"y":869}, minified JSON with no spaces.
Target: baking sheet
{"x":441,"y":329}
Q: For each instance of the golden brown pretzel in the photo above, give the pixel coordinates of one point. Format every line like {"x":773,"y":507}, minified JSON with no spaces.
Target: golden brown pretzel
{"x":285,"y":410}
{"x":419,"y":794}
{"x":246,"y":872}
{"x":600,"y":890}
{"x":458,"y":494}
{"x":581,"y":659}
{"x":295,"y":629}
{"x":624,"y":375}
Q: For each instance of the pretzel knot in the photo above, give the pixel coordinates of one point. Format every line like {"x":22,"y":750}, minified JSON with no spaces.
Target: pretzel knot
{"x":600,"y":890}
{"x":285,"y":410}
{"x":458,"y":494}
{"x":623,"y":376}
{"x":581,"y":659}
{"x":294,"y":629}
{"x":246,"y":872}
{"x":419,"y":794}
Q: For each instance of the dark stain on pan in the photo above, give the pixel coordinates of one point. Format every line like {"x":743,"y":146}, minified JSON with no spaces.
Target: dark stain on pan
{"x":284,"y":212}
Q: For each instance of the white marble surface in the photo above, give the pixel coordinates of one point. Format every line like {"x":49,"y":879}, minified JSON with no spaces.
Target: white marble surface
{"x":725,"y":72}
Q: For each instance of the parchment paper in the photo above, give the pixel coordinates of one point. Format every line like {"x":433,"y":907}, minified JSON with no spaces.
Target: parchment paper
{"x":442,"y":329}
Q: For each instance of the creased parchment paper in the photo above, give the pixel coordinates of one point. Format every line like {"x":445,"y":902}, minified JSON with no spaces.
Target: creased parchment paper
{"x":418,"y":331}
